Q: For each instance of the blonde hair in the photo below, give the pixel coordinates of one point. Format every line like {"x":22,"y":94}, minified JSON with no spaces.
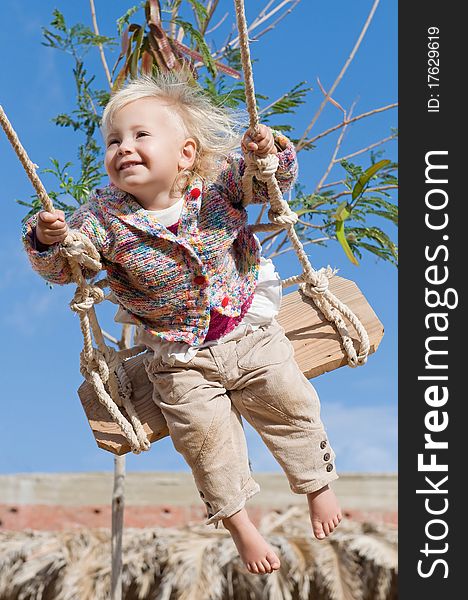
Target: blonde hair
{"x":217,"y":129}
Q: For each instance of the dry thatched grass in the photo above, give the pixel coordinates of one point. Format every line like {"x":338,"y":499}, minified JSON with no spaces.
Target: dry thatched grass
{"x":358,"y":562}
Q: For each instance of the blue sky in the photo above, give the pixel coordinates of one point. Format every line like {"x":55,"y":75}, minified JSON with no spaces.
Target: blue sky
{"x":43,"y":427}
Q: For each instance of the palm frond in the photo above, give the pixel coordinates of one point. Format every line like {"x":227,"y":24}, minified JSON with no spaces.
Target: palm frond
{"x":358,"y":562}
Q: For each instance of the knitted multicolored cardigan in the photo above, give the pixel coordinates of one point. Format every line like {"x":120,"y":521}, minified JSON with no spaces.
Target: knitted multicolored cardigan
{"x":169,"y":282}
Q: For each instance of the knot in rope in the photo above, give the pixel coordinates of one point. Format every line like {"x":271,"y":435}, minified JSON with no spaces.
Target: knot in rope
{"x":103,"y":362}
{"x":113,"y":359}
{"x":285,"y":218}
{"x":79,"y":248}
{"x":317,"y":282}
{"x":262,"y":167}
{"x":94,"y":362}
{"x":86,"y":297}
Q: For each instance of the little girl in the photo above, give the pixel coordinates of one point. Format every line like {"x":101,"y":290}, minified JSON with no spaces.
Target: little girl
{"x":186,"y":269}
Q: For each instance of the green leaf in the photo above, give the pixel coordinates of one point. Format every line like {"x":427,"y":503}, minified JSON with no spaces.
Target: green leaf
{"x":288,"y":102}
{"x":199,"y":10}
{"x":391,"y":215}
{"x":58,"y":21}
{"x":366,"y":176}
{"x":341,"y":237}
{"x":305,"y":211}
{"x":124,"y":19}
{"x":198,"y":38}
{"x":138,"y":39}
{"x":342,"y":212}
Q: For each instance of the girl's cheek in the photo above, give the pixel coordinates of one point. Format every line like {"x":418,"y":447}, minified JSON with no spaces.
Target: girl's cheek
{"x":108,"y":164}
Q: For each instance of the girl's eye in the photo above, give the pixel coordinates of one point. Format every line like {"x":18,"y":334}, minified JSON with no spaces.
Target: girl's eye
{"x":141,"y":134}
{"x":110,"y":142}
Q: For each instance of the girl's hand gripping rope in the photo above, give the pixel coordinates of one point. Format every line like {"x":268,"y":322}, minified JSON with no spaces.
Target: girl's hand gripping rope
{"x":51,"y":228}
{"x":262,"y":144}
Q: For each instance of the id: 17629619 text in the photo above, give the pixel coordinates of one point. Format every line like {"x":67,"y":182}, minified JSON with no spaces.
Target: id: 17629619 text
{"x":433,"y":68}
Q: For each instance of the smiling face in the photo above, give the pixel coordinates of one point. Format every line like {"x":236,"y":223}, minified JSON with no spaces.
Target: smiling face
{"x":146,"y":149}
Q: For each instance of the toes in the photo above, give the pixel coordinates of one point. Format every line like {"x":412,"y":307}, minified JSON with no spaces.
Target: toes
{"x":273,"y":561}
{"x":261,"y":567}
{"x":252,"y":567}
{"x":331,"y":526}
{"x":326,"y":528}
{"x":266,"y":565}
{"x":336,"y":521}
{"x":319,"y":531}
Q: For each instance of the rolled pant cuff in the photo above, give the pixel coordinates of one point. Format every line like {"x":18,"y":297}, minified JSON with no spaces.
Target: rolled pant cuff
{"x":250,"y":489}
{"x":315,"y":485}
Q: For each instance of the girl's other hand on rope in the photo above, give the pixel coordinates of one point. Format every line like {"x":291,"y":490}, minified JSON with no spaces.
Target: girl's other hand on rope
{"x":51,"y":227}
{"x":261,"y":144}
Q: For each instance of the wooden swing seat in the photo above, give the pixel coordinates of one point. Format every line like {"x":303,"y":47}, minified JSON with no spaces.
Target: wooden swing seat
{"x":317,"y":347}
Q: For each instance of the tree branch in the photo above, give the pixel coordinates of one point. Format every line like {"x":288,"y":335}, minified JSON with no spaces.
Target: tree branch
{"x":174,"y":13}
{"x":270,"y":238}
{"x":263,"y":11}
{"x":101,"y":49}
{"x":272,"y":103}
{"x":275,"y":23}
{"x":260,"y":214}
{"x":350,"y":58}
{"x":217,"y":24}
{"x":332,"y":162}
{"x":329,"y":98}
{"x":126,"y":338}
{"x":341,"y":182}
{"x":110,"y":337}
{"x":344,"y":123}
{"x":306,"y":243}
{"x":374,"y":145}
{"x":212,"y":6}
{"x":306,"y":224}
{"x":376,"y":189}
{"x":261,"y":18}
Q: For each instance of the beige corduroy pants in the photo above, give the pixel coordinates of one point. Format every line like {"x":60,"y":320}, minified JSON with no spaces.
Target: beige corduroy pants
{"x":256,"y":377}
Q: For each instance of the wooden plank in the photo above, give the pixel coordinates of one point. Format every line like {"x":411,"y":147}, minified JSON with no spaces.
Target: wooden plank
{"x":317,"y":344}
{"x":107,"y":433}
{"x":317,"y":349}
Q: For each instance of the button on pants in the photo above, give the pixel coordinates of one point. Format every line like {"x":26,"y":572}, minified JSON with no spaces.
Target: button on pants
{"x":255,"y":377}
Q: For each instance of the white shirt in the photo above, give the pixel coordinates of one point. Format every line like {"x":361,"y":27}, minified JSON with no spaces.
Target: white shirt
{"x":264,"y":308}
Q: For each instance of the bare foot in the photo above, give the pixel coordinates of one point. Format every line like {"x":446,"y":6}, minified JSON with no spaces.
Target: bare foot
{"x":256,"y":553}
{"x":325,"y":512}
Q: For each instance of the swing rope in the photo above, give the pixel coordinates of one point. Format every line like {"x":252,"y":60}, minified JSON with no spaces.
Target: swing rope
{"x":102,"y":365}
{"x":313,"y":283}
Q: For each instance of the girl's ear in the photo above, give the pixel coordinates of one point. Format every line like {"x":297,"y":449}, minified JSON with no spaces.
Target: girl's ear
{"x":188,"y":153}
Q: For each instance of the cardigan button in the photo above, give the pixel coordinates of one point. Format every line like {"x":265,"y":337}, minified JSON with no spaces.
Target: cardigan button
{"x":329,"y":467}
{"x":323,"y":445}
{"x":326,"y":457}
{"x":225,"y":302}
{"x":199,"y":279}
{"x":195,"y":192}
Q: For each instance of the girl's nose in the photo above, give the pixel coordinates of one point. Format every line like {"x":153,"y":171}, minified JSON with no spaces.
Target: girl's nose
{"x":124,"y":148}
